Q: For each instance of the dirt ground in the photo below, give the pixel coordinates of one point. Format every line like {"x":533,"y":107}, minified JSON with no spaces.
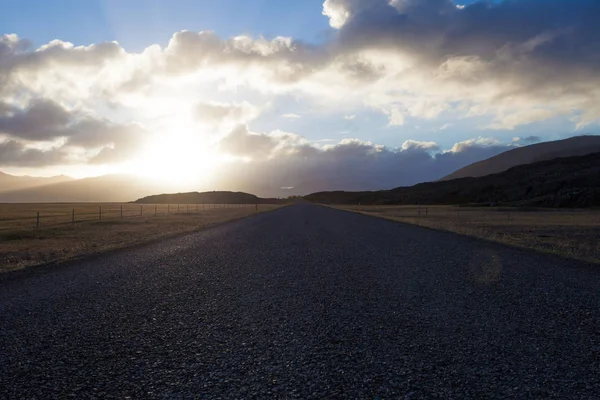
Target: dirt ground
{"x":58,"y":238}
{"x":571,"y":233}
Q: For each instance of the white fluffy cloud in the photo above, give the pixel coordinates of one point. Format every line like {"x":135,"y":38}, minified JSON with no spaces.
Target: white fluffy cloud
{"x":64,"y":133}
{"x":219,"y":113}
{"x":530,"y":61}
{"x":415,"y":144}
{"x":15,"y":153}
{"x":284,"y":160}
{"x":424,"y":57}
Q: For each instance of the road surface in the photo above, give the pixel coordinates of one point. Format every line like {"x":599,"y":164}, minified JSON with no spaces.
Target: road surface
{"x":304,"y":302}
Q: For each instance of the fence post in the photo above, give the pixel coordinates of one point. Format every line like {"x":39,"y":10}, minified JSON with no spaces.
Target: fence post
{"x":177,"y":207}
{"x":121,"y":210}
{"x":99,"y":213}
{"x":155,"y":208}
{"x":141,"y":211}
{"x":37,"y":220}
{"x":168,"y":209}
{"x":73,"y":217}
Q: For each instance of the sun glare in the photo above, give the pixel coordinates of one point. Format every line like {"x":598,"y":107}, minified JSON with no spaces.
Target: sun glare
{"x":178,"y":159}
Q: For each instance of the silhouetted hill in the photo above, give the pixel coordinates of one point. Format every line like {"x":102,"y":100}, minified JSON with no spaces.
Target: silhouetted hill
{"x":207,"y":198}
{"x":575,"y":146}
{"x":11,"y":182}
{"x":562,"y":182}
{"x":107,"y":188}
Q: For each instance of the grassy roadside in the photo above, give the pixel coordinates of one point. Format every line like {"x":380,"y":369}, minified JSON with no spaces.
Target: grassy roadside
{"x":21,"y":248}
{"x":569,"y":233}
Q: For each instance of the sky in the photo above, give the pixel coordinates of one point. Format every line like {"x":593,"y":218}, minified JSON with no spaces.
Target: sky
{"x":290,"y":96}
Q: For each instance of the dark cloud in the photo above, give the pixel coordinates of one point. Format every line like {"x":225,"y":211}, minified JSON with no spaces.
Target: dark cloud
{"x":241,"y":142}
{"x":45,"y":120}
{"x":119,"y":143}
{"x":349,"y":165}
{"x":531,"y":139}
{"x":539,"y":57}
{"x":15,"y":154}
{"x":287,"y":60}
{"x":216,"y":113}
{"x":502,"y":54}
{"x":524,"y":54}
{"x":41,"y":120}
{"x":540,"y":44}
{"x":16,"y":55}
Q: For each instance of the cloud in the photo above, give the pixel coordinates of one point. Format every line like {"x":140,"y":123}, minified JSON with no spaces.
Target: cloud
{"x":45,"y":121}
{"x":517,"y":118}
{"x":16,"y":154}
{"x":217,"y":113}
{"x":243,"y":143}
{"x":530,"y":61}
{"x":527,"y":140}
{"x":282,"y":59}
{"x":396,"y":117}
{"x":513,"y":62}
{"x":291,"y":116}
{"x":350,"y":117}
{"x":415,"y":144}
{"x":531,"y":139}
{"x":340,"y":12}
{"x":41,"y":120}
{"x":60,"y":70}
{"x":481,"y":142}
{"x":352,"y":164}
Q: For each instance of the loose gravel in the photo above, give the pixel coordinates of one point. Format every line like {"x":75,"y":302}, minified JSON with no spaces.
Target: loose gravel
{"x":304,"y":302}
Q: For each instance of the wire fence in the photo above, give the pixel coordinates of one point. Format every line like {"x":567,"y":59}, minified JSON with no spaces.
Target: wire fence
{"x":37,"y":216}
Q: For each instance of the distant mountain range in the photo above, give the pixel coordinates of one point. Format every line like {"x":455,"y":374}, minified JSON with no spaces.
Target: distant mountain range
{"x":10,"y":183}
{"x":123,"y":188}
{"x":207,"y":198}
{"x":561,"y":182}
{"x":575,"y":146}
{"x":107,"y":188}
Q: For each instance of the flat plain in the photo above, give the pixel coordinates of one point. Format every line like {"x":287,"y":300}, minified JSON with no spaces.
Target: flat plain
{"x":574,"y":233}
{"x":71,"y":230}
{"x":304,"y":302}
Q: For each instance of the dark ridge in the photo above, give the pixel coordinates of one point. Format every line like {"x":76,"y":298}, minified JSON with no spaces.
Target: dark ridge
{"x":572,"y":147}
{"x":572,"y":182}
{"x":207,"y":198}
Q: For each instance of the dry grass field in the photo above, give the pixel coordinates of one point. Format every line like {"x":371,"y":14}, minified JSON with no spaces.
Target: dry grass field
{"x":570,"y":233}
{"x":58,"y":238}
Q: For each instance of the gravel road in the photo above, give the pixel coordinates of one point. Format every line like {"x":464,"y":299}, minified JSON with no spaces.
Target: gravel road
{"x":304,"y":302}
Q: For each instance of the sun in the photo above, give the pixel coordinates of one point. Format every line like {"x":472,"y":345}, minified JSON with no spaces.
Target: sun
{"x":178,"y":159}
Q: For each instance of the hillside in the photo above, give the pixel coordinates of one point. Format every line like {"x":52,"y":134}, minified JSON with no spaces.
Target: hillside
{"x":207,"y":198}
{"x":11,"y":182}
{"x":562,"y":182}
{"x":575,"y":146}
{"x":107,"y":188}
